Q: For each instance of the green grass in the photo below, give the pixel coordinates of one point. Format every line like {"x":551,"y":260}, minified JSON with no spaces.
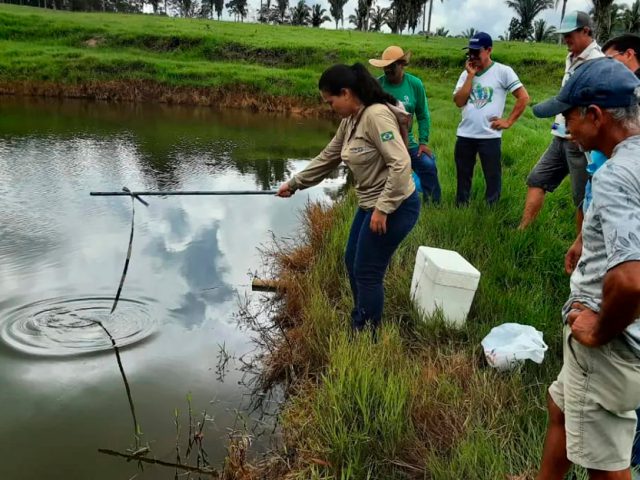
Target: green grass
{"x":422,"y":396}
{"x":420,"y":401}
{"x":464,"y":420}
{"x":45,"y":45}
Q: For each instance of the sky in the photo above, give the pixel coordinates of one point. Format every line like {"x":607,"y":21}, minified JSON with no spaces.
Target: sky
{"x":491,"y":16}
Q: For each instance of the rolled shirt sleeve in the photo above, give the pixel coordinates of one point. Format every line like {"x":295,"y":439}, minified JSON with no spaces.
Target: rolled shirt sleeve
{"x":321,"y":165}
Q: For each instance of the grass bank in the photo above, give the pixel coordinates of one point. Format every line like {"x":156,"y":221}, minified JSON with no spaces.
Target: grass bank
{"x":420,"y":403}
{"x":148,"y":58}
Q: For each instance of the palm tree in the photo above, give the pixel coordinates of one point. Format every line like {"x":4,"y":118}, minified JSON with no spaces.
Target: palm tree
{"x":413,"y":13}
{"x":441,"y":32}
{"x":206,"y":9}
{"x":359,"y":18}
{"x":516,"y":31}
{"x":369,"y":5}
{"x":429,"y":17}
{"x":601,"y":14}
{"x":237,"y":8}
{"x":564,"y":8}
{"x":391,"y":19}
{"x":398,"y":15}
{"x":336,"y":8}
{"x":219,"y":6}
{"x":469,"y":32}
{"x":282,"y":6}
{"x":630,"y":18}
{"x":377,"y":18}
{"x":185,"y":8}
{"x":607,"y":18}
{"x":318,"y":15}
{"x":612,"y":21}
{"x":300,"y":14}
{"x":527,"y":11}
{"x":542,"y":31}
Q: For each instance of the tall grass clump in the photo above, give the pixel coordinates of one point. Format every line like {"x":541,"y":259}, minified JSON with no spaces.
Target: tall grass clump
{"x":360,"y":414}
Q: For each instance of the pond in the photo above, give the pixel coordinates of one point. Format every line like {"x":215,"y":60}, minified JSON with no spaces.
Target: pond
{"x":61,"y":258}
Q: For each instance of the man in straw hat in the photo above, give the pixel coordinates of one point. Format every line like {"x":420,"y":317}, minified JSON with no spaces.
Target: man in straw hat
{"x":481,"y":93}
{"x":409,"y":90}
{"x":591,"y":404}
{"x":562,"y":157}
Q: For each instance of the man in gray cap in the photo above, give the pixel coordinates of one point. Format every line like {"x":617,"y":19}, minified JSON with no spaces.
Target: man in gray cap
{"x":591,"y":404}
{"x":563,"y":158}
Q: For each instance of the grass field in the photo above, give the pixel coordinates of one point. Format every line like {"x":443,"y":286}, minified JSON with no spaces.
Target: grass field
{"x":76,"y":47}
{"x":420,"y":403}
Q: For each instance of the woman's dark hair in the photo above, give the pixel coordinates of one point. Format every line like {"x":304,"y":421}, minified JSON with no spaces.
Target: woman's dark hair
{"x":357,"y":79}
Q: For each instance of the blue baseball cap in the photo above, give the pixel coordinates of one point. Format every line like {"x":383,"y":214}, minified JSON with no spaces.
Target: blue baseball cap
{"x":604,"y":82}
{"x":479,"y":40}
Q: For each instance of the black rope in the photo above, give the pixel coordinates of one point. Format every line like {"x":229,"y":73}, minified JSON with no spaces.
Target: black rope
{"x":132,"y":408}
{"x":136,"y":425}
{"x":134,"y":197}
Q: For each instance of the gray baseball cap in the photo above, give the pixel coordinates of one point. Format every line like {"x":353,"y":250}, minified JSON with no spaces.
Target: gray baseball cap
{"x":573,"y":21}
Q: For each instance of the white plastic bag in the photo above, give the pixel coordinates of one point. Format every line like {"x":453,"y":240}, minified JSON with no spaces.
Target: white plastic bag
{"x":510,"y":344}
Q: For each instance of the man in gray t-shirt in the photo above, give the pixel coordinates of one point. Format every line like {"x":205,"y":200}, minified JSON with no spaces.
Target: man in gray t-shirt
{"x":591,"y":404}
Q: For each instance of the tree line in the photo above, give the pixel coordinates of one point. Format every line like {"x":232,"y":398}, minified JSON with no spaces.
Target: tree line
{"x":400,"y":16}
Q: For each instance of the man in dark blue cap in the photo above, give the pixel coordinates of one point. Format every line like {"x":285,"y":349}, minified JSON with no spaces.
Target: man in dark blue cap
{"x":481,"y":93}
{"x":591,"y":404}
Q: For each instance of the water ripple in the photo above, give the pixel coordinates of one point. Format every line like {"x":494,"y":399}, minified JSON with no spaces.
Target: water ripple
{"x":66,"y":326}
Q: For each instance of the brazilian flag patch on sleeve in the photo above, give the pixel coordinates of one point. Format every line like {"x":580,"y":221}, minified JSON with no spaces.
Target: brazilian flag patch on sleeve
{"x":386,"y":136}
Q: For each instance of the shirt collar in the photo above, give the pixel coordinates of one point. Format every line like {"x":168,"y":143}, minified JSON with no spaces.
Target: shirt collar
{"x":583,"y":55}
{"x":626,"y":141}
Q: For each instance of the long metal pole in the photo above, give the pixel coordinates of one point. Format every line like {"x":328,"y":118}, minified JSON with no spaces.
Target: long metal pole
{"x":194,"y":192}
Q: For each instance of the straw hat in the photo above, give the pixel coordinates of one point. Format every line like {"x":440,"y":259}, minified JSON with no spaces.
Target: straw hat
{"x":390,"y":55}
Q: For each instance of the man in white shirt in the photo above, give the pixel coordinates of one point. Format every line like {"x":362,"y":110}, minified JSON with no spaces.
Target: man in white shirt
{"x":563,"y":157}
{"x":481,"y":93}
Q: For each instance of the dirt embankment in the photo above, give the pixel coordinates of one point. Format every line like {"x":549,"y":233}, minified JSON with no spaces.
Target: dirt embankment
{"x":145,"y":91}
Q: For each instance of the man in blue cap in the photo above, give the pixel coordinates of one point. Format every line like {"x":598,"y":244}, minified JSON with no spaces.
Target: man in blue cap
{"x":563,"y":158}
{"x":481,"y":93}
{"x":591,"y":404}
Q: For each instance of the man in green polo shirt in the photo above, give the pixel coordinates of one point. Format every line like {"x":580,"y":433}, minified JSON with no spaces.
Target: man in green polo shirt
{"x":409,"y":90}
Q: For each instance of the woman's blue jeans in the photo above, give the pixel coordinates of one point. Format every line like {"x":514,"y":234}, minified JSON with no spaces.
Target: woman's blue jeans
{"x":427,"y":171}
{"x":368,"y":255}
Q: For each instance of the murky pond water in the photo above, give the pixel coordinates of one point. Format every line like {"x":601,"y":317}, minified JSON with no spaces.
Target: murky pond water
{"x":61,"y":258}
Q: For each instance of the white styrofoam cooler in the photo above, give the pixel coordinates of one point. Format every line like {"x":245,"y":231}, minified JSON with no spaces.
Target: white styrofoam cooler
{"x":444,"y":279}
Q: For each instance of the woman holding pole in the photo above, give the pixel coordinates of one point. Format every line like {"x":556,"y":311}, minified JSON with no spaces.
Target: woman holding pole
{"x":369,"y":141}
